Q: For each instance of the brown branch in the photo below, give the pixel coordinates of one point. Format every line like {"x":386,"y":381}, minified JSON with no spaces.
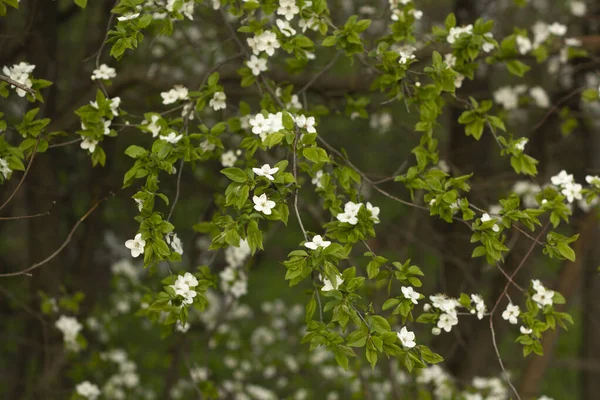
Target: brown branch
{"x":62,"y":246}
{"x":24,"y":174}
{"x":17,"y":84}
{"x":29,"y":216}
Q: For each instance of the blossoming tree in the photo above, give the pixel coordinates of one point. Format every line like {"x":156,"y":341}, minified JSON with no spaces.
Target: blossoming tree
{"x":200,"y":199}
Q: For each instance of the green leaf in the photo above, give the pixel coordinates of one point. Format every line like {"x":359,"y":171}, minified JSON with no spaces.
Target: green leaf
{"x":288,"y":121}
{"x":329,"y":41}
{"x":316,"y":154}
{"x":235,"y":174}
{"x":134,"y":151}
{"x":81,"y":3}
{"x":389,"y":303}
{"x":213,"y":79}
{"x":517,"y":67}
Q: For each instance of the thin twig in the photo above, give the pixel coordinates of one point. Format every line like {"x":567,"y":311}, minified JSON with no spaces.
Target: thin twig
{"x":62,"y":246}
{"x":65,"y":143}
{"x":17,"y":84}
{"x":29,"y":216}
{"x":24,"y":174}
{"x":556,"y":106}
{"x":504,"y":292}
{"x":176,"y":190}
{"x":321,"y":72}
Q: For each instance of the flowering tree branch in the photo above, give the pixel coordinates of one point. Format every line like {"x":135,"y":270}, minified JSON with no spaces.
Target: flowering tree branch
{"x":12,"y":82}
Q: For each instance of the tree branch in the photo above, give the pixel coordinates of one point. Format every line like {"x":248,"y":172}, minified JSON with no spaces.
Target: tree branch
{"x":62,"y":246}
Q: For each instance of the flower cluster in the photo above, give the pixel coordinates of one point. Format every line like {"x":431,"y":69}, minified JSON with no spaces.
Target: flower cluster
{"x":125,"y":379}
{"x":184,"y":286}
{"x":266,"y":42}
{"x":351,"y":209}
{"x":350,"y":214}
{"x":479,"y":308}
{"x":70,"y":328}
{"x":449,"y":315}
{"x":567,"y":186}
{"x":485,"y":218}
{"x":543,"y":297}
{"x":4,"y":168}
{"x":234,"y":280}
{"x":104,"y":72}
{"x":263,"y":127}
{"x":178,"y":92}
{"x":457,"y":31}
{"x":20,"y":73}
{"x":88,"y":390}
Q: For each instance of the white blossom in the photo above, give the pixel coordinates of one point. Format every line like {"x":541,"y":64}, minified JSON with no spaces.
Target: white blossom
{"x":374,"y":212}
{"x":540,"y":97}
{"x":4,"y":168}
{"x":88,"y":390}
{"x":104,"y":72}
{"x":524,"y":45}
{"x":263,"y":204}
{"x":70,"y":328}
{"x":88,"y":144}
{"x":317,"y":241}
{"x":457,"y":31}
{"x":562,"y":178}
{"x":557,"y":29}
{"x":175,"y":243}
{"x":329,"y":286}
{"x":511,"y":313}
{"x":479,"y":305}
{"x":447,"y":321}
{"x":177,"y":93}
{"x":136,"y":245}
{"x":172,"y":138}
{"x":288,"y":9}
{"x":410,"y":294}
{"x":520,"y":145}
{"x":285,"y":28}
{"x":350,"y":213}
{"x":525,"y":331}
{"x":218,"y":101}
{"x":20,"y":73}
{"x":407,"y":338}
{"x":593,"y":180}
{"x":578,"y":8}
{"x":128,"y":16}
{"x":306,"y":123}
{"x":507,"y":97}
{"x":543,"y":297}
{"x":541,"y":32}
{"x":228,"y":159}
{"x":572,"y":191}
{"x":153,"y":127}
{"x":257,"y":64}
{"x":266,"y":171}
